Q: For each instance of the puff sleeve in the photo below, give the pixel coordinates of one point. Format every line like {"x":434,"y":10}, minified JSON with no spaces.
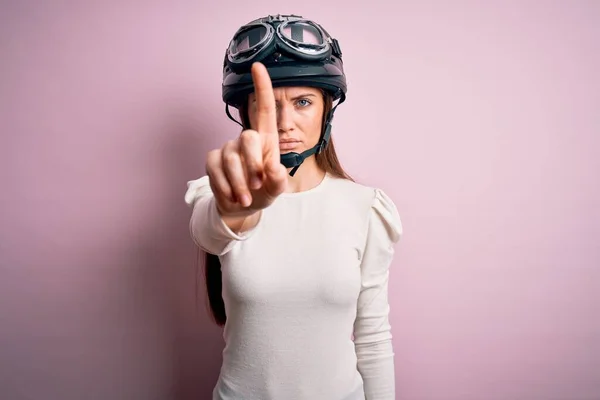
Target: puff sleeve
{"x":372,"y":330}
{"x":207,"y":228}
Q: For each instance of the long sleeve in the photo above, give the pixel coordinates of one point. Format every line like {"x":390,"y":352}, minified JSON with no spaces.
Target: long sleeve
{"x":372,"y":330}
{"x":207,"y":228}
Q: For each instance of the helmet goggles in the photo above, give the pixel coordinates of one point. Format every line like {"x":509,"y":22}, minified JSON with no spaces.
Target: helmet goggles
{"x":279,"y":36}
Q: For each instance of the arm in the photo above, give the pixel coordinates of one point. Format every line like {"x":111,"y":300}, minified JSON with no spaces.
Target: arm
{"x":210,"y":231}
{"x":372,"y":330}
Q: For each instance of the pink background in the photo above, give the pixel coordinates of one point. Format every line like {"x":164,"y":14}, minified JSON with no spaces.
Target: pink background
{"x":482,"y":122}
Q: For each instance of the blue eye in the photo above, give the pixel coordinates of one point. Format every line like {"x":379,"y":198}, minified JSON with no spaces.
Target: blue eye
{"x":304,"y":102}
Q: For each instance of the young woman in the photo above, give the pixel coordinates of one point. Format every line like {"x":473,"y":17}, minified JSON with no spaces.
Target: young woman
{"x":297,"y":253}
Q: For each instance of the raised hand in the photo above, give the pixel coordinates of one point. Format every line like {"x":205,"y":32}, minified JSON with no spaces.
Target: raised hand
{"x":246,"y":174}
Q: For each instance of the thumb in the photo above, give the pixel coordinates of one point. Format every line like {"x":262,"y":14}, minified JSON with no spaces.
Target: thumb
{"x":276,"y":177}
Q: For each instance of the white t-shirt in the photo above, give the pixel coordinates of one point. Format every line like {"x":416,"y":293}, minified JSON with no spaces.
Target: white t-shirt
{"x":305,"y":293}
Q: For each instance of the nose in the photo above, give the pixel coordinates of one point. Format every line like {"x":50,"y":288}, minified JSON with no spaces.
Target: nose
{"x":285,"y":120}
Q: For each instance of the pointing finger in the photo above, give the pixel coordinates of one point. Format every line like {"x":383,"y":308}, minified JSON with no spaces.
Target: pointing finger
{"x":265,"y":100}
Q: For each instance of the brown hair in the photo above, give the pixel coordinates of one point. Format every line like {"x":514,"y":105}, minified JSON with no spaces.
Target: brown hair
{"x":326,"y":160}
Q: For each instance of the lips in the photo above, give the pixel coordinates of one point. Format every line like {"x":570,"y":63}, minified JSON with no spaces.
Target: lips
{"x":288,"y":144}
{"x":288,"y":140}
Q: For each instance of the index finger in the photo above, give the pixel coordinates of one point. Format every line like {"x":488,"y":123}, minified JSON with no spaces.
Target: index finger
{"x":265,"y":100}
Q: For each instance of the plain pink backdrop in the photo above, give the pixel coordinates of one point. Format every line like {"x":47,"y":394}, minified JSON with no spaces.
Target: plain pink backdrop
{"x":481,"y":121}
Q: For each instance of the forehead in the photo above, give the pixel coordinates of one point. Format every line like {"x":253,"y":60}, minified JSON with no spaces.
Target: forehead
{"x":292,"y":91}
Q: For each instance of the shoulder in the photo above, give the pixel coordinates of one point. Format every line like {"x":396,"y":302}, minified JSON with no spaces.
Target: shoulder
{"x":384,"y":213}
{"x":378,"y":206}
{"x":351,"y":191}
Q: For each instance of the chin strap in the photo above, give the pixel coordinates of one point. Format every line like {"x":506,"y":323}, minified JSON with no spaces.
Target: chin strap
{"x":294,"y":160}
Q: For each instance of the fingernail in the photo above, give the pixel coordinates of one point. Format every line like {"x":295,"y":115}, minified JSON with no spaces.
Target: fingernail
{"x":256,"y":182}
{"x":246,"y":200}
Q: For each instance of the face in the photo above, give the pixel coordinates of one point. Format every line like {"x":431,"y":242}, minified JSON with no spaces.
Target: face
{"x":299,"y":117}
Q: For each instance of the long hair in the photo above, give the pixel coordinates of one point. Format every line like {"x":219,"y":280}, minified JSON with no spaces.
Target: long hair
{"x":326,"y":160}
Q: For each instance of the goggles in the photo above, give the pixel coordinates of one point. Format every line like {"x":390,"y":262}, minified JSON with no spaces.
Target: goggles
{"x":277,"y":36}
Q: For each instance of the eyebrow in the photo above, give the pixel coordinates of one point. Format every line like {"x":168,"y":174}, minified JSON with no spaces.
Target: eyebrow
{"x":303,"y":95}
{"x":293,"y":98}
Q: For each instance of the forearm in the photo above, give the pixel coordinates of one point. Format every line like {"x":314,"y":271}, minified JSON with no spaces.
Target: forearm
{"x":376,"y":366}
{"x":214,"y":233}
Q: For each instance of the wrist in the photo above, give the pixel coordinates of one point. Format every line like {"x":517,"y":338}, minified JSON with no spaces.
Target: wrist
{"x":239,"y":221}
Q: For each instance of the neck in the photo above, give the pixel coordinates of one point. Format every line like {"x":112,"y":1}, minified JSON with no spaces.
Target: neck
{"x":308,"y":176}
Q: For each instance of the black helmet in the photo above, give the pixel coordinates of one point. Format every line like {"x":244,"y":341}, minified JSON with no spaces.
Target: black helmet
{"x":296,"y":52}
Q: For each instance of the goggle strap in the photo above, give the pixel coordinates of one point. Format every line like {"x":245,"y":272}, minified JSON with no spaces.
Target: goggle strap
{"x":336,"y":48}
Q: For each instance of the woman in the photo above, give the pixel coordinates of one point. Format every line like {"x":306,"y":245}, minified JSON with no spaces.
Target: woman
{"x":298,"y":254}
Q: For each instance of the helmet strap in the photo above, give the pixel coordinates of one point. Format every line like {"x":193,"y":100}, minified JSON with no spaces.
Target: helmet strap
{"x":230,"y":117}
